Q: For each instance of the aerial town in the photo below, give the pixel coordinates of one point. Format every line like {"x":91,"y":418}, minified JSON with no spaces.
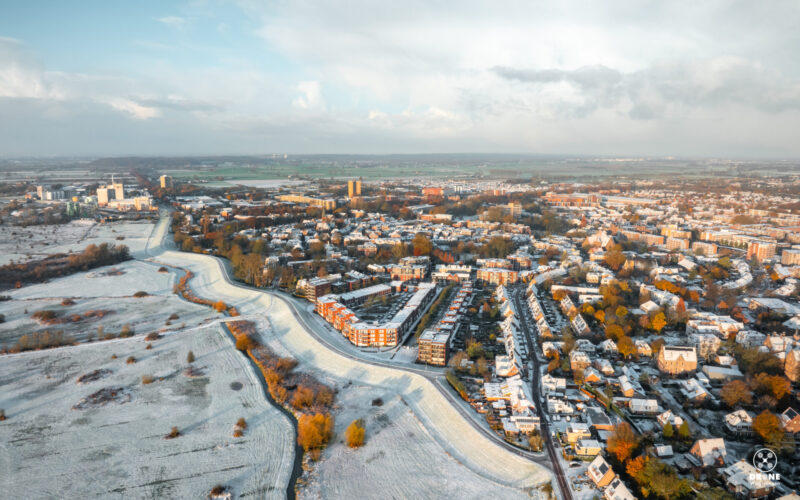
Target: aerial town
{"x":620,"y":338}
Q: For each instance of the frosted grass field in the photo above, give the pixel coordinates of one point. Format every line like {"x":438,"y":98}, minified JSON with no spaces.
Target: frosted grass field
{"x":118,"y":450}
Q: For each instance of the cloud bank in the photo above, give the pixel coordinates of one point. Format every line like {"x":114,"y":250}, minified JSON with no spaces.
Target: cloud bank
{"x":651,"y":78}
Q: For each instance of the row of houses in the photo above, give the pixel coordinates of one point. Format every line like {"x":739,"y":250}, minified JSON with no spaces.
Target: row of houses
{"x":388,"y":334}
{"x":434,"y":342}
{"x":521,"y":419}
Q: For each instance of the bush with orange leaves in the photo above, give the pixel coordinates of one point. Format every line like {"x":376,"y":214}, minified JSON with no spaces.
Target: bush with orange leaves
{"x":354,"y":435}
{"x":314,"y":432}
{"x":303,"y":397}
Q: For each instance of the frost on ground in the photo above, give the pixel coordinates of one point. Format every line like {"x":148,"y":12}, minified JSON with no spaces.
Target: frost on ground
{"x":102,"y":297}
{"x":450,"y":434}
{"x":104,"y":437}
{"x":22,"y":244}
{"x":119,"y":280}
{"x":399,"y":459}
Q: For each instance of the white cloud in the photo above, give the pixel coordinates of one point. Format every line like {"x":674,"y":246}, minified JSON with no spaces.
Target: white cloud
{"x":175,"y":22}
{"x":134,"y":109}
{"x":562,"y":77}
{"x":21,"y":76}
{"x":311,"y":96}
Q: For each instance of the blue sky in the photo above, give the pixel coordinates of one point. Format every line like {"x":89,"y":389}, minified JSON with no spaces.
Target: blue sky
{"x":716,"y":78}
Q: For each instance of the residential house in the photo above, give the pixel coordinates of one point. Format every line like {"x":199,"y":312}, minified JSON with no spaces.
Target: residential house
{"x":709,"y":452}
{"x":745,"y":481}
{"x":643,"y":348}
{"x":608,"y":346}
{"x":576,"y":431}
{"x":790,"y":420}
{"x":676,"y":360}
{"x":592,"y":376}
{"x":578,"y":360}
{"x":618,"y":491}
{"x":692,"y":391}
{"x":670,"y":417}
{"x":643,"y":406}
{"x":598,"y":419}
{"x":588,"y":447}
{"x":600,"y":472}
{"x":553,"y":384}
{"x":739,"y":423}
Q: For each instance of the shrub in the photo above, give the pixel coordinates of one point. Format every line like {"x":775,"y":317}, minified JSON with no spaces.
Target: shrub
{"x":220,"y":306}
{"x":218,"y":490}
{"x":148,"y":347}
{"x":324,"y":396}
{"x":113,"y":356}
{"x":173,"y":317}
{"x":152,"y":336}
{"x":163,"y":269}
{"x":244,"y":343}
{"x":42,"y":340}
{"x":67,"y":302}
{"x":237,"y":433}
{"x":173,"y":433}
{"x":314,"y":432}
{"x":131,"y":360}
{"x":127,"y":331}
{"x":452,"y":378}
{"x":303,"y":397}
{"x":536,"y":442}
{"x":190,"y":357}
{"x":241,"y":423}
{"x":354,"y":434}
{"x":140,"y":294}
{"x":44,"y":315}
{"x":2,"y":414}
{"x":147,"y":379}
{"x":377,"y":402}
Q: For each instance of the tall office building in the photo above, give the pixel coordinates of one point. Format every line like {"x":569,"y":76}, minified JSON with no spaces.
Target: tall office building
{"x":102,"y":196}
{"x":119,"y":190}
{"x":354,"y":188}
{"x":166,"y":181}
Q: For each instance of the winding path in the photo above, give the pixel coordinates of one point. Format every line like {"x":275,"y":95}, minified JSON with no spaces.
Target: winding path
{"x":475,"y":446}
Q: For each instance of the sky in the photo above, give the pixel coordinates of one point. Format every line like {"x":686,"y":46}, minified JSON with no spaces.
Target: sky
{"x":200,"y":77}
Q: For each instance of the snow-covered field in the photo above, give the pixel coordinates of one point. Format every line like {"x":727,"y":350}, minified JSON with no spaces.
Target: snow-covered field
{"x":418,"y":444}
{"x":35,"y":242}
{"x":400,"y":459}
{"x":119,"y":280}
{"x":51,"y":450}
{"x":109,"y":288}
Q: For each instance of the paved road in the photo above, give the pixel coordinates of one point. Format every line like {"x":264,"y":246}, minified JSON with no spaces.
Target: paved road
{"x":437,"y":379}
{"x":563,"y":484}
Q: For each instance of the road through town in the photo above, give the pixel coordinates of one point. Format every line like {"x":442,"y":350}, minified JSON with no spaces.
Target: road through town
{"x":563,"y":484}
